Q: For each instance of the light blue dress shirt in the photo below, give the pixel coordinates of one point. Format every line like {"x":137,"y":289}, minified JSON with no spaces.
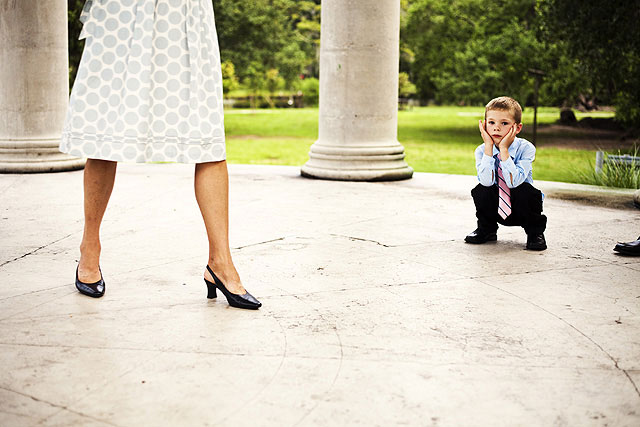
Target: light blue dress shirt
{"x":516,"y":169}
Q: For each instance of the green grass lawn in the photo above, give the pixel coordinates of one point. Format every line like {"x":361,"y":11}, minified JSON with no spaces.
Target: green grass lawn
{"x":436,"y":139}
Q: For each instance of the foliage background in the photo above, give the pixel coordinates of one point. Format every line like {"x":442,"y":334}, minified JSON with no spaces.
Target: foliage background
{"x":453,"y":52}
{"x":468,"y":51}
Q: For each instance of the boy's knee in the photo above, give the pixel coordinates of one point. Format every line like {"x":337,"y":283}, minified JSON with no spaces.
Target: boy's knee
{"x":527,"y":198}
{"x":525,"y":188}
{"x":480,"y":191}
{"x":526,"y":192}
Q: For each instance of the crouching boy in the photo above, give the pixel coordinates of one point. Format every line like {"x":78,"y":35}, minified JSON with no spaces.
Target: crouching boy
{"x":505,"y":194}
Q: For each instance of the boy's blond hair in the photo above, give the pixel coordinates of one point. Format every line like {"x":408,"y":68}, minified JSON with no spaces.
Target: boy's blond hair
{"x":505,"y":103}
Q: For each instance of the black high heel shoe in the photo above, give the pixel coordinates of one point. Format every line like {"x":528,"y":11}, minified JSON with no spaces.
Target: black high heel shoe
{"x":94,"y":290}
{"x":239,"y":301}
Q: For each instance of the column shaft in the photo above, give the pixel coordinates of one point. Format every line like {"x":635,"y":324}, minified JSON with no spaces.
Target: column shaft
{"x":359,"y":60}
{"x":34,"y":88}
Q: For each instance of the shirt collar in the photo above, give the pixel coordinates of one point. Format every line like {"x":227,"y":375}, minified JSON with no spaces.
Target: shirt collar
{"x":512,"y":148}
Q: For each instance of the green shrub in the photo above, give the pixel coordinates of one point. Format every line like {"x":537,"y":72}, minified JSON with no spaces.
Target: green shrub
{"x":618,"y":175}
{"x":310,"y":88}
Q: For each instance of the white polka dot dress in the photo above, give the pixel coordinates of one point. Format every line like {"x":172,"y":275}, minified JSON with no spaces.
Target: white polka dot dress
{"x":149,"y":84}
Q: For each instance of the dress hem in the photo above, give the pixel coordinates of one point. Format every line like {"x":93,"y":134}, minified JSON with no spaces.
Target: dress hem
{"x":188,"y":150}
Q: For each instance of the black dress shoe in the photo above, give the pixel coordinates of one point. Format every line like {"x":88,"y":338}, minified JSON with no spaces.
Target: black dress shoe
{"x":629,"y":248}
{"x":536,"y":242}
{"x":479,"y":236}
{"x":245,"y":300}
{"x":94,"y":290}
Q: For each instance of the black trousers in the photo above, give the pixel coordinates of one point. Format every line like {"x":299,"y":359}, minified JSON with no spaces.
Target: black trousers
{"x":526,"y":208}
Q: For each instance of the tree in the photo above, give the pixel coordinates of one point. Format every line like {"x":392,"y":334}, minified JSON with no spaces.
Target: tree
{"x":602,"y":42}
{"x":306,"y":18}
{"x":75,"y":45}
{"x":229,"y":78}
{"x":469,"y":51}
{"x":255,"y":81}
{"x":407,"y":57}
{"x":310,"y":88}
{"x":273,"y":82}
{"x":405,"y":88}
{"x":259,"y":35}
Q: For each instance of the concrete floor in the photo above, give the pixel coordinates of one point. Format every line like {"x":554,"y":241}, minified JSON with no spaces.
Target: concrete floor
{"x":375,"y":310}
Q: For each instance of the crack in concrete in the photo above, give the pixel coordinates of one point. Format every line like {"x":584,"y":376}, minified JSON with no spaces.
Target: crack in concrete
{"x":422,"y":282}
{"x":175,"y":261}
{"x":629,"y":266}
{"x":258,"y":244}
{"x":19,"y":414}
{"x":32,"y":292}
{"x":404,"y":245}
{"x":35,"y":306}
{"x":134,"y":349}
{"x":55,"y":405}
{"x":359,"y":239}
{"x":35,"y":250}
{"x":615,"y":362}
{"x":617,"y":261}
{"x":483,"y":275}
{"x":506,"y":274}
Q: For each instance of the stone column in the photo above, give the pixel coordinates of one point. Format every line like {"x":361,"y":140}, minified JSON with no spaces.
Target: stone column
{"x":34,"y":85}
{"x":359,"y":62}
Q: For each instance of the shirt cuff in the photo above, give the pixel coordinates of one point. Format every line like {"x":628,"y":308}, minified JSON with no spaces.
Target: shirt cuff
{"x":487,"y":160}
{"x":509,"y":171}
{"x":508,"y":165}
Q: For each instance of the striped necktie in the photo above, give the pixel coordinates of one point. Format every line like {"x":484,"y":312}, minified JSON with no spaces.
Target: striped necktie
{"x":504,"y":195}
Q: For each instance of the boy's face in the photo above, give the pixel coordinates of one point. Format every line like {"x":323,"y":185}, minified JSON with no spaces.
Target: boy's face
{"x":498,"y":124}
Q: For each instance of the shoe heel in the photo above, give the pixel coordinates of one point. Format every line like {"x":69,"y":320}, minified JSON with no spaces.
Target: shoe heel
{"x":246,"y":300}
{"x":211,"y":290}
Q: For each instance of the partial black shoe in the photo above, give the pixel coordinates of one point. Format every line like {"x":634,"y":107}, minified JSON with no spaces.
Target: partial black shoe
{"x":479,"y":236}
{"x":94,"y":290}
{"x":628,"y":248}
{"x":536,"y":242}
{"x":246,"y":300}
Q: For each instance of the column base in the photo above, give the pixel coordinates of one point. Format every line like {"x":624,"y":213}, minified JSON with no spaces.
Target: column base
{"x":357,"y":163}
{"x":35,"y":156}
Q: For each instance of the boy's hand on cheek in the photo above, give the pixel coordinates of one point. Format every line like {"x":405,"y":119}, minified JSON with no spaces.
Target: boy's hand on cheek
{"x":506,"y":142}
{"x":488,"y":141}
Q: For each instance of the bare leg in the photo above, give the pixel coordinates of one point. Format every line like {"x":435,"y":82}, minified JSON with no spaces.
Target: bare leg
{"x":99,"y":176}
{"x":212,"y":193}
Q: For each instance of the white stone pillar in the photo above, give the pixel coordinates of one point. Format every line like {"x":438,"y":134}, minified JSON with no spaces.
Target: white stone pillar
{"x":359,"y":62}
{"x":34,"y":85}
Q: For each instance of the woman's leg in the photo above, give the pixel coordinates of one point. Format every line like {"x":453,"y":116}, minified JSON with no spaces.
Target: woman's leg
{"x":99,"y":176}
{"x":212,"y":193}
